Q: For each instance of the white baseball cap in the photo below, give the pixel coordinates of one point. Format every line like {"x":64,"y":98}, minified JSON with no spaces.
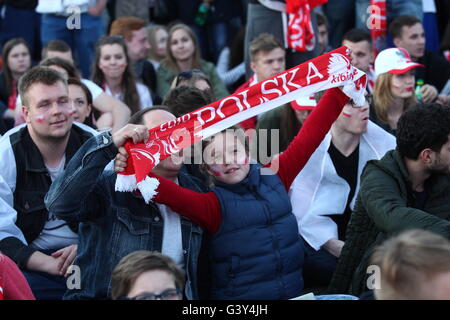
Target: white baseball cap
{"x":395,"y":61}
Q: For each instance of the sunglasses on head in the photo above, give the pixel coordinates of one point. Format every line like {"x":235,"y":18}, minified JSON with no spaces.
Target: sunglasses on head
{"x":187,"y":75}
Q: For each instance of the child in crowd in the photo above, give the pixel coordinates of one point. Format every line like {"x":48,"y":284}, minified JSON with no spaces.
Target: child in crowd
{"x":146,"y":275}
{"x":256,"y":251}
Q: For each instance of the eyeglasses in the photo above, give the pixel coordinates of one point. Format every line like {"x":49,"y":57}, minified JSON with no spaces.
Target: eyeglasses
{"x":186,"y":75}
{"x":170,"y":294}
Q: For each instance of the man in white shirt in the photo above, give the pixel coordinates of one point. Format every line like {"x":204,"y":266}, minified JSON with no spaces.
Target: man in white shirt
{"x":32,"y":155}
{"x":324,"y":192}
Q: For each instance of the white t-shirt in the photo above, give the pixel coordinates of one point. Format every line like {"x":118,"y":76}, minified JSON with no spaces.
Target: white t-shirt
{"x":145,"y":99}
{"x":62,"y":7}
{"x":428,"y":6}
{"x":56,"y":233}
{"x":172,"y":244}
{"x":93,"y":88}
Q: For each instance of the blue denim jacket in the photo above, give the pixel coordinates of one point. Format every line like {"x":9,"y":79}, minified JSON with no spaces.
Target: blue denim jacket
{"x":113,"y":224}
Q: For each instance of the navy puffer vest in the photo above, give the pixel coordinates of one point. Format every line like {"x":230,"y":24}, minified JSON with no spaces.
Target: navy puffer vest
{"x":257,"y":252}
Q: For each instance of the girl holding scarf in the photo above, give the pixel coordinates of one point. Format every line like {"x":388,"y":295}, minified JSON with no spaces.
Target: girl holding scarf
{"x":255,"y":248}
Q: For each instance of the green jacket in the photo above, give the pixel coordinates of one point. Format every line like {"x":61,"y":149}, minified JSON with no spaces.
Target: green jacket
{"x":384,"y":207}
{"x":165,"y":77}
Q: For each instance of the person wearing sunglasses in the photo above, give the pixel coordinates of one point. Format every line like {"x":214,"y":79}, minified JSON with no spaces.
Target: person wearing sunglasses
{"x":183,"y":55}
{"x":194,"y":78}
{"x":146,"y":275}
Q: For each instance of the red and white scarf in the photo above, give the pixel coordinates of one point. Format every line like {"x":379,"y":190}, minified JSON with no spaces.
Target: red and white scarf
{"x":378,"y":25}
{"x":329,"y":70}
{"x":300,"y":33}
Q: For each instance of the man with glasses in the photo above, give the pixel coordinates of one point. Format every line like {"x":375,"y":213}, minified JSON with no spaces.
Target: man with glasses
{"x":324,"y":192}
{"x":32,"y":156}
{"x":145,"y":275}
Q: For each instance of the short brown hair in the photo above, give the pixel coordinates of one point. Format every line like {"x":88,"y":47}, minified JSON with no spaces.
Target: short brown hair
{"x":409,"y":260}
{"x":134,"y":264}
{"x":55,"y":45}
{"x":35,"y":75}
{"x":396,"y":26}
{"x":265,"y":42}
{"x":62,"y":63}
{"x":124,"y":26}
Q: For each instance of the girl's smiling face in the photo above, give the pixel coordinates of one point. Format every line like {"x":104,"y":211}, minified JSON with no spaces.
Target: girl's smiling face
{"x":181,"y":45}
{"x":226,"y":158}
{"x":112,"y":60}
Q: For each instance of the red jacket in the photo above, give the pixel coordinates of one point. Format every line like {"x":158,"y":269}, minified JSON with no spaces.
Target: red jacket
{"x":13,"y":285}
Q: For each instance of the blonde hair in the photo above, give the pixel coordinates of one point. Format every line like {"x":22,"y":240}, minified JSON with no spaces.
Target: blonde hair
{"x":264,"y":42}
{"x":170,"y":61}
{"x":408,"y":261}
{"x":383,"y":97}
{"x":152,"y":30}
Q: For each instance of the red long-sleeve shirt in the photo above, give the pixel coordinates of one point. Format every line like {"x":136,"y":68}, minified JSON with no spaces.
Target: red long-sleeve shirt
{"x":13,"y":285}
{"x":204,"y":208}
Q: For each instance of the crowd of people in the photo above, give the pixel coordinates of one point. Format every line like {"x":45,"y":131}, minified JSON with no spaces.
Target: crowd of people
{"x":353,"y":186}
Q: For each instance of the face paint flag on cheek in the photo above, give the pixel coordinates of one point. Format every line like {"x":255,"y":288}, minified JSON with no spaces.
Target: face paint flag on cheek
{"x":215,"y":171}
{"x":330,"y":70}
{"x":40,"y":118}
{"x":72,"y":111}
{"x":347,"y":114}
